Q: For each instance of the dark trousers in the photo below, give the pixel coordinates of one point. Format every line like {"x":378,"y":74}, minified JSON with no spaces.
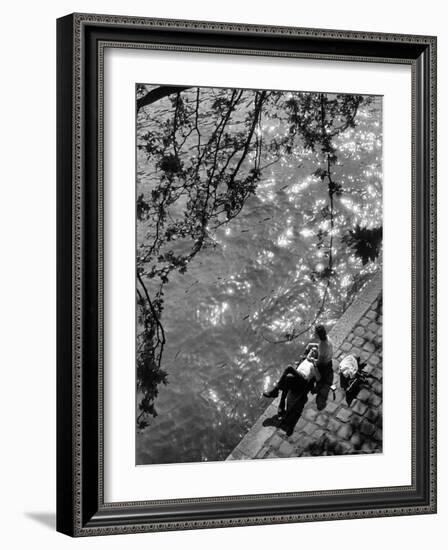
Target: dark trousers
{"x":291,"y":380}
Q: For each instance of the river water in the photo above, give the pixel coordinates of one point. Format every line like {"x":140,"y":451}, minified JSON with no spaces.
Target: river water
{"x":254,"y":285}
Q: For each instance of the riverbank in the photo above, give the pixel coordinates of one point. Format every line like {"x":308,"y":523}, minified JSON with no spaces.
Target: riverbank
{"x":329,"y":422}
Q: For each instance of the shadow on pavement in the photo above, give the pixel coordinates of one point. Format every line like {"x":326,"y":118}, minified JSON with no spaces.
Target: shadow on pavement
{"x":296,"y":403}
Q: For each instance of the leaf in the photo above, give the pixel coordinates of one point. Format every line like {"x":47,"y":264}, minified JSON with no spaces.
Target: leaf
{"x":365,"y":242}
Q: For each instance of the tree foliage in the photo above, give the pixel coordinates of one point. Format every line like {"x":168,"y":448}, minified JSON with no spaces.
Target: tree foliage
{"x":204,"y":157}
{"x":365,"y":242}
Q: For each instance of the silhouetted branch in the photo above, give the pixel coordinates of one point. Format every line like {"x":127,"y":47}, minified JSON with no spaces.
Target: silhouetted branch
{"x":158,"y":93}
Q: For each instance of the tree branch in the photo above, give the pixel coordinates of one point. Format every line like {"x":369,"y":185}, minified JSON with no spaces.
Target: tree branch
{"x":159,"y":93}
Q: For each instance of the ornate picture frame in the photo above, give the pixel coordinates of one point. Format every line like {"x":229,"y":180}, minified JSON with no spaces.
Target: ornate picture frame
{"x":81,"y":506}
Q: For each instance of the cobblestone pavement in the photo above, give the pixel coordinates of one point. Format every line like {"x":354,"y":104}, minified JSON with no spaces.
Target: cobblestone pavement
{"x":331,"y":423}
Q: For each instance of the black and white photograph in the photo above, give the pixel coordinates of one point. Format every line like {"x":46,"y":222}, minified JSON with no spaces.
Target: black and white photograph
{"x":258,"y":274}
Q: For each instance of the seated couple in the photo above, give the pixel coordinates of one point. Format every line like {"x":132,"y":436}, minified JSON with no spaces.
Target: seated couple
{"x":302,"y":379}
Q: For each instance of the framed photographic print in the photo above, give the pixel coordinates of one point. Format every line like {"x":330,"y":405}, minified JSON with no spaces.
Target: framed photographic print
{"x":246,"y":274}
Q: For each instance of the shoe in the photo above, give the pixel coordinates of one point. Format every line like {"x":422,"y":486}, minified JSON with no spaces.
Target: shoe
{"x":289,"y":431}
{"x":271,"y":394}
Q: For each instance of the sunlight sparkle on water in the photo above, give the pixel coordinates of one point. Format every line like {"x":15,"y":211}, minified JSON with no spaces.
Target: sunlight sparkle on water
{"x":280,"y":324}
{"x":267,"y":383}
{"x":213,"y":314}
{"x":301,"y":186}
{"x":285,"y":238}
{"x":264,"y":256}
{"x":307,"y":232}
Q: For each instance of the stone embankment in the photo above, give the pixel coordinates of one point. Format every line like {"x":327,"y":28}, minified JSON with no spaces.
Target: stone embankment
{"x":332,"y":422}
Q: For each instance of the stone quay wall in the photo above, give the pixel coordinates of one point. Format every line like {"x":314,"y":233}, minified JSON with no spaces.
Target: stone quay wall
{"x":335,"y":424}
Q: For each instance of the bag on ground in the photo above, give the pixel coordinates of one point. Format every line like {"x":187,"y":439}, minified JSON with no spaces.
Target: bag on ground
{"x":348,"y":367}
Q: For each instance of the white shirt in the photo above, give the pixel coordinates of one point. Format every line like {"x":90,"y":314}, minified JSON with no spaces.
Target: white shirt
{"x":307,"y":370}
